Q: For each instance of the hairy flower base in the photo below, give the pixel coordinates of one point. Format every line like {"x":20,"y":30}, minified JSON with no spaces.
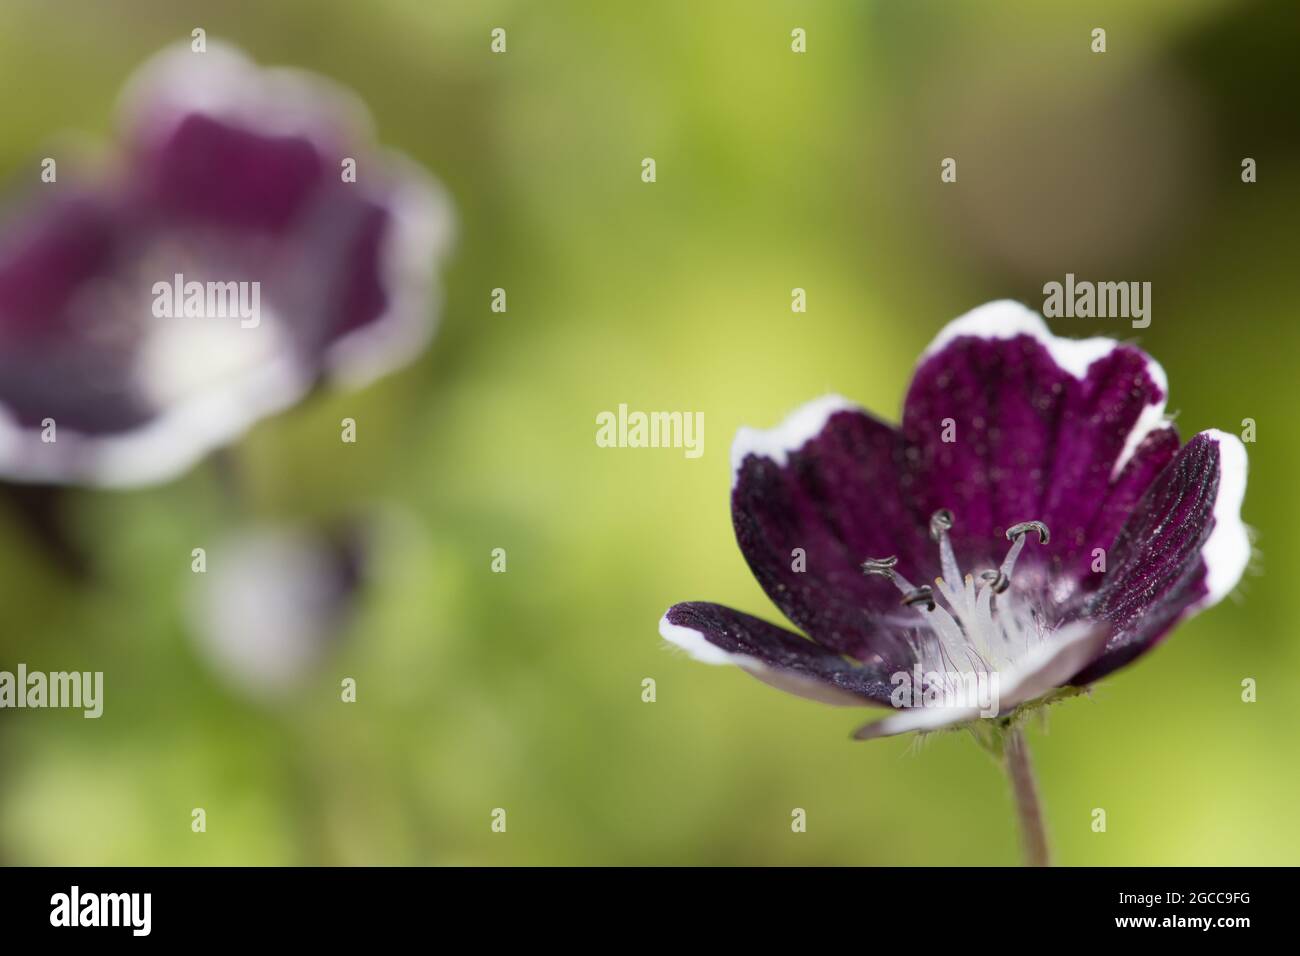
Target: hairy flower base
{"x":992,"y":734}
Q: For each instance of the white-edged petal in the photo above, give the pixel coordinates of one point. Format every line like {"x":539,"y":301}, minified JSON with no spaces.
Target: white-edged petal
{"x":699,"y":648}
{"x":224,"y":83}
{"x":1069,"y":650}
{"x":917,"y":719}
{"x":162,"y":448}
{"x":422,"y":232}
{"x":694,"y":643}
{"x":795,"y":431}
{"x":1006,"y":319}
{"x":1227,"y":551}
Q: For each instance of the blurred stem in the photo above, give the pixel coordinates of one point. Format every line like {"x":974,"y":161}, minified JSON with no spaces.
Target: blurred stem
{"x":230,"y":478}
{"x":41,"y":510}
{"x":1033,"y":834}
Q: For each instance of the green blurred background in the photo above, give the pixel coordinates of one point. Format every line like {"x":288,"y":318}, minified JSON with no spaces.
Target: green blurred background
{"x":775,"y":170}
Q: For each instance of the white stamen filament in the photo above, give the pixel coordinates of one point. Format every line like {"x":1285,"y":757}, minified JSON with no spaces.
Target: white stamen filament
{"x":973,"y":633}
{"x":1009,"y":562}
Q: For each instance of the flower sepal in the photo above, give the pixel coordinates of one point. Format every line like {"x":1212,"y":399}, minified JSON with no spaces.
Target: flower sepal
{"x":993,"y":733}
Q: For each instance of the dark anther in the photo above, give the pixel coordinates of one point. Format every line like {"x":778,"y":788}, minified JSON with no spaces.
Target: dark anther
{"x":921,"y":595}
{"x":881,"y":566}
{"x":940,"y":522}
{"x":1016,"y":530}
{"x":998,"y":581}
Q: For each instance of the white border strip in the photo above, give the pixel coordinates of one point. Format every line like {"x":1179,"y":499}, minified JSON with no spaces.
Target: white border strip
{"x":1006,"y":319}
{"x":1227,"y":552}
{"x":796,"y":430}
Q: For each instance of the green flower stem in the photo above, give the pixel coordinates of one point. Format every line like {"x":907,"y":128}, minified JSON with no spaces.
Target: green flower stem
{"x":1033,"y":833}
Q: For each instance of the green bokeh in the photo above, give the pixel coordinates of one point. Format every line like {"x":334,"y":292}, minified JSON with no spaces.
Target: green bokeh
{"x":523,"y":690}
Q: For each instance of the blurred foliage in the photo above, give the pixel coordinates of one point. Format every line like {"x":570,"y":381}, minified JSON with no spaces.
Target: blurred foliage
{"x":522,"y":690}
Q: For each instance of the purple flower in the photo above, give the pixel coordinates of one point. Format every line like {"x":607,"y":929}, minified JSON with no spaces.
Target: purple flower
{"x":227,"y":263}
{"x":1031,"y":525}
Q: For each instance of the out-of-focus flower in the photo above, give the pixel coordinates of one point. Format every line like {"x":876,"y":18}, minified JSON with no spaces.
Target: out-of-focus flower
{"x":273,"y":603}
{"x":227,"y":262}
{"x":1009,"y":433}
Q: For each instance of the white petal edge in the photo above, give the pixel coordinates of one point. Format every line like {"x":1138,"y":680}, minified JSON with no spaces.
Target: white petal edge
{"x":161,"y":449}
{"x":224,"y":82}
{"x":694,"y":643}
{"x":422,"y":233}
{"x":699,"y":648}
{"x":795,"y":431}
{"x":1006,"y":319}
{"x":1227,"y":551}
{"x":1043,"y":669}
{"x":917,"y":719}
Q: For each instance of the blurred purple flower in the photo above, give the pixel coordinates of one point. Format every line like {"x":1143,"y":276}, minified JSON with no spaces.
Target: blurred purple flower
{"x":231,"y":177}
{"x":1006,"y":430}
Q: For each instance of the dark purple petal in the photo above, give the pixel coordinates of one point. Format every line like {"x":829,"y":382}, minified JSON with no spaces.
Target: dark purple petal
{"x":362,"y":297}
{"x":1183,"y":549}
{"x":56,"y":359}
{"x":830,"y":481}
{"x":1000,"y":403}
{"x":47,"y":253}
{"x":719,"y":635}
{"x":211,"y":174}
{"x":1099,"y":420}
{"x":283,"y":216}
{"x":1073,"y":556}
{"x":1039,"y":424}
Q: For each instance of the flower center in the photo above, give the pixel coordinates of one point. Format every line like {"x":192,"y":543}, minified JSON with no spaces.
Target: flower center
{"x":982,"y":624}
